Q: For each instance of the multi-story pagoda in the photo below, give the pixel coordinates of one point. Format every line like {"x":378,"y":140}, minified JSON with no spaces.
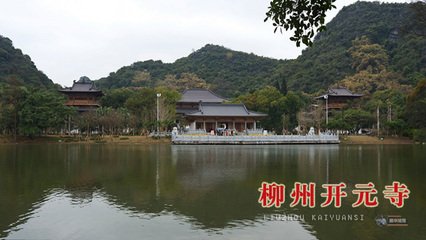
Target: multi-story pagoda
{"x":84,"y":95}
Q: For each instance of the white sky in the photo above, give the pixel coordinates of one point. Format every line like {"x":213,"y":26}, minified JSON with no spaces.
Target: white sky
{"x":67,"y":39}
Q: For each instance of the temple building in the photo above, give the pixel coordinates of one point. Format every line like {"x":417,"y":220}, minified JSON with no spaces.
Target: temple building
{"x":204,"y":110}
{"x":338,"y":98}
{"x":83,"y":95}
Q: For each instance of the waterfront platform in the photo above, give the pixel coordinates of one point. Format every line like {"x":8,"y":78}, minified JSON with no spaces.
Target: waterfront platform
{"x":254,"y":140}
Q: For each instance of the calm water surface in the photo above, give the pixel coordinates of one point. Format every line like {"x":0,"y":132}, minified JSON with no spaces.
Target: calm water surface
{"x":199,"y":192}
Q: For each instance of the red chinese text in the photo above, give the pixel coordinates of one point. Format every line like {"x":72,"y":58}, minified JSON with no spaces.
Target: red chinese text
{"x":334,"y":193}
{"x":303,"y":192}
{"x":396,"y":193}
{"x":364,"y":192}
{"x":272,"y":194}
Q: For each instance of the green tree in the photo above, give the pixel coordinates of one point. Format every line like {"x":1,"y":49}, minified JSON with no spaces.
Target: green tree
{"x":301,"y":16}
{"x":357,"y":118}
{"x":281,"y":109}
{"x":143,"y":104}
{"x":116,"y":98}
{"x":41,"y":110}
{"x":183,"y":81}
{"x":11,"y":98}
{"x":416,"y":106}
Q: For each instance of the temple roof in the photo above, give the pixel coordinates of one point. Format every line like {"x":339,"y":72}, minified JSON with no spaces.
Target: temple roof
{"x":339,"y":92}
{"x":200,"y":95}
{"x":228,"y":110}
{"x":84,"y":84}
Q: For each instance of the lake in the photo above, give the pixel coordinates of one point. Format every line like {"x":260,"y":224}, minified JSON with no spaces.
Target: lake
{"x":105,"y":191}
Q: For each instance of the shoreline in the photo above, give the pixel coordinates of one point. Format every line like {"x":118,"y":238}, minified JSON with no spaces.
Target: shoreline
{"x":363,"y":140}
{"x":58,"y":139}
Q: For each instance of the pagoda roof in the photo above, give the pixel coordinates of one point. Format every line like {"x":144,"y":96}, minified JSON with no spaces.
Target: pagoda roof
{"x":339,"y":92}
{"x":84,"y":84}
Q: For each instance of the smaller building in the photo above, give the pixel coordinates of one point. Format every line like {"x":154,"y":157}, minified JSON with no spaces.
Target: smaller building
{"x":338,"y":98}
{"x":84,"y":95}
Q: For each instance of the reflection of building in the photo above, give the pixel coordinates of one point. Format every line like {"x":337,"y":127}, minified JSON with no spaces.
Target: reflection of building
{"x":338,"y":98}
{"x":204,"y":110}
{"x":83,"y":95}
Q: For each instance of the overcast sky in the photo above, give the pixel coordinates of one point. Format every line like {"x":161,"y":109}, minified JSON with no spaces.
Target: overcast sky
{"x":67,"y":39}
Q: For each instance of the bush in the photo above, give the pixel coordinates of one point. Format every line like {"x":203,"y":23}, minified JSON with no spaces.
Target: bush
{"x":338,"y":124}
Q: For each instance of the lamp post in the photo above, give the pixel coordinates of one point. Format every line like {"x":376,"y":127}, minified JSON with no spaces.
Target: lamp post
{"x":378,"y":120}
{"x":158,"y":112}
{"x":326,"y":109}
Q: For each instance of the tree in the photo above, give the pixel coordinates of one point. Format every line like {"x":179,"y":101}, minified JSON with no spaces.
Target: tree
{"x":167,"y":101}
{"x":357,"y":118}
{"x":416,"y":106}
{"x":280,"y":83}
{"x":116,"y":98}
{"x":11,"y":98}
{"x":183,"y":81}
{"x":304,"y":16}
{"x":141,"y":78}
{"x":370,"y":62}
{"x":41,"y":110}
{"x":367,"y":56}
{"x":87,"y":121}
{"x":281,"y":109}
{"x":415,"y":112}
{"x":417,"y":23}
{"x":142,"y":104}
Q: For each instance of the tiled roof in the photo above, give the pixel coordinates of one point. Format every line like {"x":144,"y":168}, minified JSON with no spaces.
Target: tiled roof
{"x":201,"y":95}
{"x":229,"y":110}
{"x":339,"y":92}
{"x":82,"y":85}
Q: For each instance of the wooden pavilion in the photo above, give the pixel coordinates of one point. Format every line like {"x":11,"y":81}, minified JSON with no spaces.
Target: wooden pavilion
{"x":84,"y":95}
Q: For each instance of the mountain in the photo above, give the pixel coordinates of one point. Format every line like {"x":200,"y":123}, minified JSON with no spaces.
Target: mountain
{"x":229,"y":72}
{"x":17,"y":68}
{"x":328,"y":61}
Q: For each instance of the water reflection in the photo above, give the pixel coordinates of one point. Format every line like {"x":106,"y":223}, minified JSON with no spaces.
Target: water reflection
{"x":198,"y":192}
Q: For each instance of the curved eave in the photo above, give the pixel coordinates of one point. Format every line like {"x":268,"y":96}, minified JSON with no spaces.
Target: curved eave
{"x":70,"y":91}
{"x":203,"y":115}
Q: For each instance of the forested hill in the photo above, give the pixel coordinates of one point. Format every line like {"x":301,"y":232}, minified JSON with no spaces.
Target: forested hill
{"x":327,"y":62}
{"x":229,"y":72}
{"x":17,"y":68}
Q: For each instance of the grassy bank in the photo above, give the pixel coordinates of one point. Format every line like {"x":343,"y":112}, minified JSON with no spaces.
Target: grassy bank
{"x":374,"y":140}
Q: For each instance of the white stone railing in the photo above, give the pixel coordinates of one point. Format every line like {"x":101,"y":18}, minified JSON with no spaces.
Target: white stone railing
{"x":242,"y":139}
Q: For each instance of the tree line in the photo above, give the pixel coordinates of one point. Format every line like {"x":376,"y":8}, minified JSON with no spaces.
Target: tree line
{"x":31,"y":112}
